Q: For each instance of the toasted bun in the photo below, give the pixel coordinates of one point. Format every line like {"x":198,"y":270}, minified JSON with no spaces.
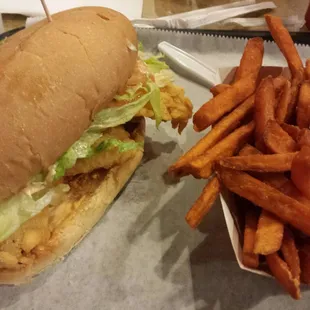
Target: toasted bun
{"x":53,"y":78}
{"x":89,"y":197}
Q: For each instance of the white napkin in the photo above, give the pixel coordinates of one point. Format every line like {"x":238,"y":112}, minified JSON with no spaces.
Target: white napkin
{"x":131,"y":8}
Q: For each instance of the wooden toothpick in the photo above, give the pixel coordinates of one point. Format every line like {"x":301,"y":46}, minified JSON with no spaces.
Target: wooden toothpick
{"x":48,"y":15}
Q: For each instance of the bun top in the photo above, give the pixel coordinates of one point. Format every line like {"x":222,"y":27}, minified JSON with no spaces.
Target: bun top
{"x":53,"y":78}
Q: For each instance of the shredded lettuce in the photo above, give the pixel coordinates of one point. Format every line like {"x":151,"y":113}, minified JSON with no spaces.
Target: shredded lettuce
{"x":154,"y":64}
{"x":155,"y":103}
{"x":163,"y":78}
{"x":80,"y":149}
{"x":115,"y":116}
{"x":140,"y":47}
{"x":21,"y":207}
{"x":123,"y":146}
{"x":131,"y":93}
{"x":107,"y":118}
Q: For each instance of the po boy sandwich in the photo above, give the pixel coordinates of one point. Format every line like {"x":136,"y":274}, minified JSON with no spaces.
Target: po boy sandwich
{"x":73,"y":96}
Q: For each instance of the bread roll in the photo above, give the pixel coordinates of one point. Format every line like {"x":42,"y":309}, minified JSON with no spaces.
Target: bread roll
{"x":53,"y":78}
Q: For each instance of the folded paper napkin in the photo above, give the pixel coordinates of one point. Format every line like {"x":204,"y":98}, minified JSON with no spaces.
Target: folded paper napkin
{"x":33,"y":8}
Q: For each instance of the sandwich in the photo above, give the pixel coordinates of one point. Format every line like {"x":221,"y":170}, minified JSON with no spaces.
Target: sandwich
{"x":74,"y":94}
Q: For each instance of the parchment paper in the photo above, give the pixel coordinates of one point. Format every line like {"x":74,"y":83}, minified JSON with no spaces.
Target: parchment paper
{"x":142,"y":254}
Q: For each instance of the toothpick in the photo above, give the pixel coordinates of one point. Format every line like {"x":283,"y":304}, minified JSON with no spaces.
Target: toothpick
{"x":48,"y":15}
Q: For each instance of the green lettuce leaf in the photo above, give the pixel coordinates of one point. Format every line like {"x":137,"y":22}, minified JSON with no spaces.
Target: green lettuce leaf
{"x":107,"y":118}
{"x":130,"y":93}
{"x":21,"y":207}
{"x":115,"y":116}
{"x":123,"y":146}
{"x":80,"y":149}
{"x":155,"y":103}
{"x":163,"y":78}
{"x":154,"y":63}
{"x":140,"y":47}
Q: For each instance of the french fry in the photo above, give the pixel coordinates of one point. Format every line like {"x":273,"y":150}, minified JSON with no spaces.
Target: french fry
{"x":252,"y":59}
{"x":269,"y":234}
{"x":284,"y":103}
{"x":204,"y":203}
{"x":285,"y":44}
{"x":279,"y":82}
{"x":214,"y":109}
{"x":217,"y":133}
{"x":249,"y":150}
{"x":303,"y":106}
{"x":278,"y":140}
{"x":217,"y":89}
{"x":303,"y":138}
{"x":288,"y":188}
{"x":300,"y":173}
{"x":280,"y":270}
{"x":265,"y":102}
{"x":202,"y":166}
{"x":290,"y":253}
{"x":286,"y":208}
{"x":308,"y":69}
{"x":304,"y":255}
{"x":250,"y":259}
{"x":292,"y":130}
{"x":260,"y":163}
{"x":288,"y":49}
{"x":296,"y":82}
{"x":275,"y":179}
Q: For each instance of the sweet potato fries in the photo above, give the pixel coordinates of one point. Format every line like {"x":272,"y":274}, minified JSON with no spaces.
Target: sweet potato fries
{"x":259,"y":149}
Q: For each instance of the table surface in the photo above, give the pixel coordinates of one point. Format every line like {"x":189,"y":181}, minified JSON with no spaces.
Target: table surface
{"x":156,"y":8}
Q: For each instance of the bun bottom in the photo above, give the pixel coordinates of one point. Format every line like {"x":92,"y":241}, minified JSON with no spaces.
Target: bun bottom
{"x":89,"y":198}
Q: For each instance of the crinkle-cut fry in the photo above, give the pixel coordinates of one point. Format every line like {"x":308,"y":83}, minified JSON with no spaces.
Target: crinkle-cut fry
{"x":303,"y":105}
{"x":277,"y":140}
{"x":260,"y":162}
{"x":285,"y":43}
{"x":217,"y":133}
{"x":303,"y":138}
{"x":269,"y":234}
{"x":252,"y":58}
{"x":304,"y":255}
{"x":281,"y":272}
{"x":250,"y":259}
{"x":300,"y":173}
{"x":284,"y":103}
{"x":286,"y":208}
{"x":202,"y":166}
{"x":290,"y":253}
{"x":214,"y":109}
{"x":217,"y":89}
{"x":292,"y":130}
{"x":308,"y":69}
{"x":204,"y":203}
{"x":265,"y":103}
{"x":279,"y":82}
